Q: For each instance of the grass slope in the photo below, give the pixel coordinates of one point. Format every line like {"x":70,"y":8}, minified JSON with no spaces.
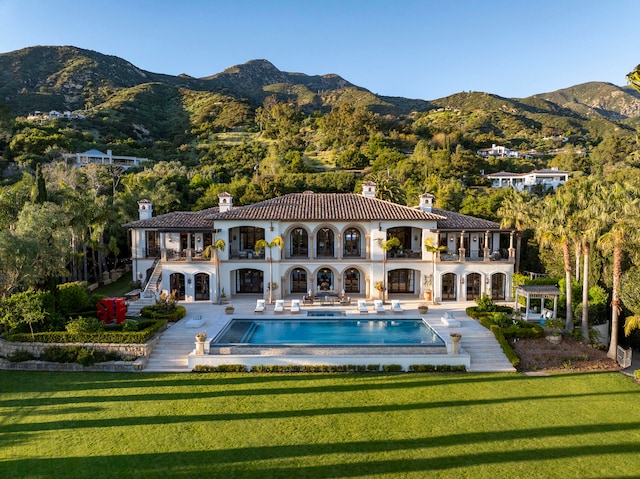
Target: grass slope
{"x":77,"y":425}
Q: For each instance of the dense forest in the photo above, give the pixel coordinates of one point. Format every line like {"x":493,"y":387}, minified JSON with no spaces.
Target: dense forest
{"x":257,"y":133}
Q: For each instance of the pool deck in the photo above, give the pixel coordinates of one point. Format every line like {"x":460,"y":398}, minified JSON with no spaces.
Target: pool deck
{"x":175,"y":350}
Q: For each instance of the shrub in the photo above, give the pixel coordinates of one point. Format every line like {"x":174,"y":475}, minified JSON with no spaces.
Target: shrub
{"x":162,"y":312}
{"x":84,"y":324}
{"x":73,"y":297}
{"x":391,"y":368}
{"x":147,"y":329}
{"x":20,"y":355}
{"x":485,"y":304}
{"x":77,"y":354}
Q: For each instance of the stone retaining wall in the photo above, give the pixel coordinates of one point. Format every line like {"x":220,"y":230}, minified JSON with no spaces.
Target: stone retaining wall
{"x":109,"y":366}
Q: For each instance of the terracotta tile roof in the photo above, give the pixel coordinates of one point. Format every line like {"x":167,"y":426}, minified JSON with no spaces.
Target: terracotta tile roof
{"x":325,"y":207}
{"x":192,"y":220}
{"x":315,"y":207}
{"x":457,"y":221}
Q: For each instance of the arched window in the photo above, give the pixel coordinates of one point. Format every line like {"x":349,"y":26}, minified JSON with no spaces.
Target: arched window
{"x":324,"y":242}
{"x":473,"y":286}
{"x":176,"y":281}
{"x":449,"y":287}
{"x":201,"y":281}
{"x":498,"y":286}
{"x":352,"y":281}
{"x":298,"y":281}
{"x":299,"y":242}
{"x":351,"y":242}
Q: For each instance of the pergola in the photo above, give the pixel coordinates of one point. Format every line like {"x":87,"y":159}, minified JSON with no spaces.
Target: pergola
{"x":540,"y":292}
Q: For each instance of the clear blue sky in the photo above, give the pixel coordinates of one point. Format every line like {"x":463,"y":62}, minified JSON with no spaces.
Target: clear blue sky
{"x":415,"y":49}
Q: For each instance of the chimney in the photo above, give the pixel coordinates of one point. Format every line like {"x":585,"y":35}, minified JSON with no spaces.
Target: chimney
{"x":145,"y":209}
{"x":369,"y":189}
{"x":225,"y":202}
{"x":426,"y":202}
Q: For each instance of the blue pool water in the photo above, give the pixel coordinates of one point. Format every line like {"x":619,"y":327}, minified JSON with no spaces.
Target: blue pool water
{"x":328,"y":331}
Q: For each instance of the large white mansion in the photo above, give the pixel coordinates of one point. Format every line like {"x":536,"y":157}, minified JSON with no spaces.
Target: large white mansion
{"x":333,"y":242}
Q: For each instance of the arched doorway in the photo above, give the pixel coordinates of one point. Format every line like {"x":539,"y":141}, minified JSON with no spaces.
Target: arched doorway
{"x":498,"y":286}
{"x":352,"y":281}
{"x":474,"y":286}
{"x":324,"y":280}
{"x":298,"y":281}
{"x":202,"y":289}
{"x":401,"y":281}
{"x":176,"y":284}
{"x":449,"y":287}
{"x":249,"y":281}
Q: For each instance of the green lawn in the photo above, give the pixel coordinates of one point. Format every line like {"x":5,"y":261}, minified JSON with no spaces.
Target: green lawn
{"x":118,"y":288}
{"x":100,"y":425}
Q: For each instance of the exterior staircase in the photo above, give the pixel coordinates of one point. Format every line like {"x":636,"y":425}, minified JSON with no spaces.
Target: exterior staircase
{"x":149,"y":294}
{"x":171,"y":351}
{"x":486,"y":353}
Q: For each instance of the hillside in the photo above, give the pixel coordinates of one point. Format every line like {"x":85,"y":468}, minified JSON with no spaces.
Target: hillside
{"x":127,"y":101}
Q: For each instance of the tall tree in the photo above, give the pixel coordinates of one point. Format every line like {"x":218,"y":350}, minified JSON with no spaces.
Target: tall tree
{"x":621,"y":216}
{"x":553,"y":230}
{"x":212,"y":251}
{"x":515,"y":212}
{"x":262,"y":244}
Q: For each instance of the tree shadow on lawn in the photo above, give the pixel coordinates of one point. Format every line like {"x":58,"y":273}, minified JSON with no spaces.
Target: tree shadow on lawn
{"x":262,"y":415}
{"x":242,"y":462}
{"x":36,"y":381}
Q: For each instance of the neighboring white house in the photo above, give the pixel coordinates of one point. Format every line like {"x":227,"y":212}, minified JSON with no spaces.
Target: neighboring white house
{"x":520,"y":181}
{"x":99,"y":158}
{"x":332,"y":244}
{"x":498,"y":152}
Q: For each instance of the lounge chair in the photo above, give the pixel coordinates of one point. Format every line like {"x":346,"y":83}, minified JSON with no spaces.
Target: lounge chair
{"x":395,"y":306}
{"x":279,"y":307}
{"x":260,"y":305}
{"x":378,"y":305}
{"x":362,"y":306}
{"x":295,"y":306}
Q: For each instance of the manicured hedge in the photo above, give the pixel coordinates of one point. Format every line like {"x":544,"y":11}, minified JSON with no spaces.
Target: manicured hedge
{"x":473,"y":311}
{"x":154,"y":313}
{"x":519,"y":329}
{"x":106,"y":336}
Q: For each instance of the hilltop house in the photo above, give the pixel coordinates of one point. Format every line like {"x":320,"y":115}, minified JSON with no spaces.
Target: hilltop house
{"x":333,"y":243}
{"x":520,"y":181}
{"x":498,"y":152}
{"x":97,"y":157}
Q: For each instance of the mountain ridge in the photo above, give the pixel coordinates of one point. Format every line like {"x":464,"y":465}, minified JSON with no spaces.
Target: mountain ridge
{"x":72,"y":78}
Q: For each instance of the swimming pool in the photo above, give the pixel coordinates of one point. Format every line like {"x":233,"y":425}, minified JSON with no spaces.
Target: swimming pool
{"x":328,"y":331}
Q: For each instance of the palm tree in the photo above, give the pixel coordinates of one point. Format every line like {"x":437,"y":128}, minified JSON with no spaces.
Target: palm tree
{"x":386,"y":245}
{"x":515,"y":212}
{"x":553,"y":230}
{"x":428,"y":245}
{"x":588,"y":219}
{"x":262,"y":244}
{"x":621,"y":213}
{"x":212,"y":250}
